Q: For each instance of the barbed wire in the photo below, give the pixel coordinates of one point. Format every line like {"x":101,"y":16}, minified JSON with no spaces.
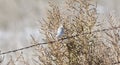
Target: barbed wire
{"x":7,"y":52}
{"x":117,"y":62}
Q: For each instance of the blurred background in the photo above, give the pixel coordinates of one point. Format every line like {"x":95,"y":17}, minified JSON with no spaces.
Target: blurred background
{"x":20,"y":18}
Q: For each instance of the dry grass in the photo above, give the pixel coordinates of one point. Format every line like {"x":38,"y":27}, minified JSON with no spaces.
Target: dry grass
{"x":78,"y":17}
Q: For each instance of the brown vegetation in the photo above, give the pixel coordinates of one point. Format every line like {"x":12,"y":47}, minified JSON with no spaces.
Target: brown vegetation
{"x":79,"y":17}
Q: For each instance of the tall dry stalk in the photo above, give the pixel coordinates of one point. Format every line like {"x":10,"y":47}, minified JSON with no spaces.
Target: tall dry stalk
{"x":79,"y":17}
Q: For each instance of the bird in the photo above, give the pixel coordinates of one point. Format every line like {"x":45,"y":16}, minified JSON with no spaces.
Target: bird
{"x":60,"y":32}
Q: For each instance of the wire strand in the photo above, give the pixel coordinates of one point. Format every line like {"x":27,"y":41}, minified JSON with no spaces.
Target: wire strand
{"x":7,"y":52}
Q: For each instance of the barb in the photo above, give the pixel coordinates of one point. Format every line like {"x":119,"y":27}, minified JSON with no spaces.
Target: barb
{"x":116,"y":63}
{"x":7,"y":52}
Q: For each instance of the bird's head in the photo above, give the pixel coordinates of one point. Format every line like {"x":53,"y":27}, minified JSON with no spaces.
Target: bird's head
{"x":61,"y":26}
